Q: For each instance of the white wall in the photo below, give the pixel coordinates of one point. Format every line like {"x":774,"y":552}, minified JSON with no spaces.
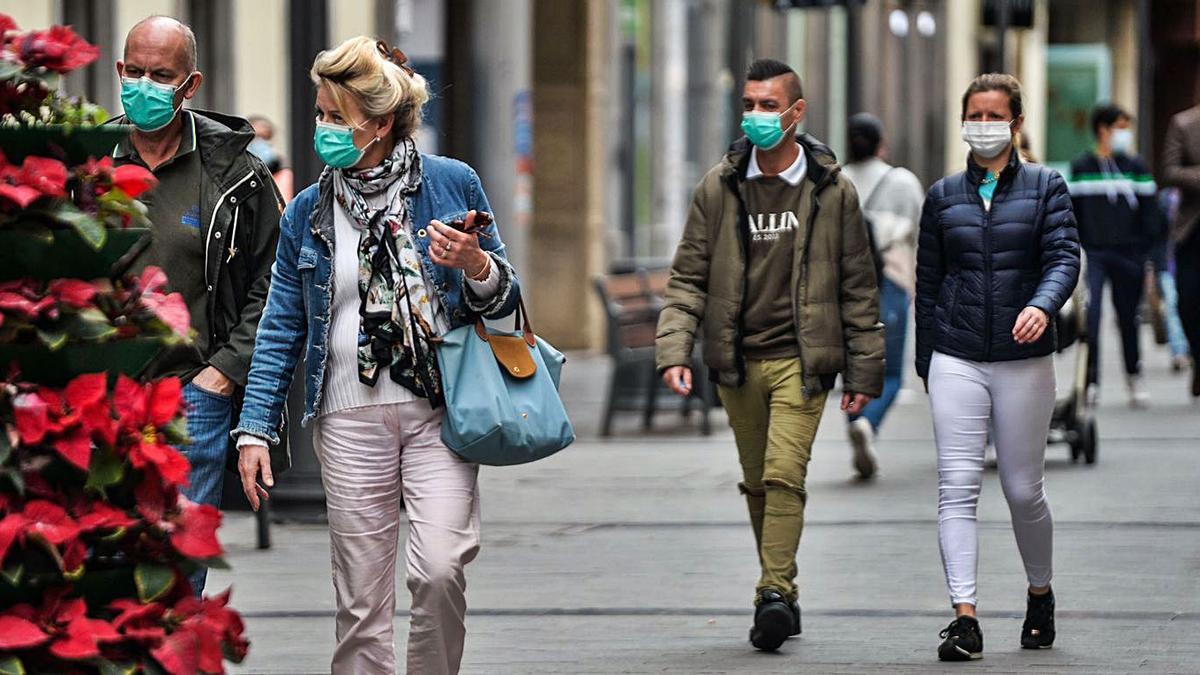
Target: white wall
{"x":260,"y":69}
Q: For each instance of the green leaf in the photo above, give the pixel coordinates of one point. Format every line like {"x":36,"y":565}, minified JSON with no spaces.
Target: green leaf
{"x":5,"y":447}
{"x":11,"y":665}
{"x":54,"y":340}
{"x":215,"y":563}
{"x":89,"y":325}
{"x":176,"y":432}
{"x":121,"y":668}
{"x":104,"y":470}
{"x":12,"y":574}
{"x":10,"y":69}
{"x":91,"y":230}
{"x":153,"y":581}
{"x":16,"y":478}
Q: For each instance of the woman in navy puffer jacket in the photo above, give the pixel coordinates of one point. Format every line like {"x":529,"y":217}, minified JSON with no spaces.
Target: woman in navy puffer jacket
{"x":998,"y":256}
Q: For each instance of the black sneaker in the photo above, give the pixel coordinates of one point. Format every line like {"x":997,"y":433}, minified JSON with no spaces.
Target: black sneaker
{"x":1038,"y":631}
{"x":963,"y":640}
{"x":795,"y":619}
{"x":773,"y":621}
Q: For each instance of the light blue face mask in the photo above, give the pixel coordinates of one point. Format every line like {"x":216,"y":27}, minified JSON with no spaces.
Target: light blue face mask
{"x":148,"y":104}
{"x":764,"y":129}
{"x":334,"y":144}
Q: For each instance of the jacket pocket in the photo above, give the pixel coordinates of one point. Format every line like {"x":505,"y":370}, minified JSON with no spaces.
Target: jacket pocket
{"x":306,"y":266}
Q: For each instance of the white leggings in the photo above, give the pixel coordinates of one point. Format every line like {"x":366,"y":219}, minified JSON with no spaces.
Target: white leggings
{"x":1014,"y":401}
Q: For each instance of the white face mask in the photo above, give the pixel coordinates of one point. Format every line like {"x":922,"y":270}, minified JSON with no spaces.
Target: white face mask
{"x":1122,"y":141}
{"x":987,"y":139}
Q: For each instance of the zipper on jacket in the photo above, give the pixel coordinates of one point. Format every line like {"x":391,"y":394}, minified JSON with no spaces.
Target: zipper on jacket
{"x":987,"y":280}
{"x":743,"y":227}
{"x":797,"y":303}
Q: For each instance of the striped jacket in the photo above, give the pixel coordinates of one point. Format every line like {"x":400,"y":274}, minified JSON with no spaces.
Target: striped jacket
{"x":1114,"y":202}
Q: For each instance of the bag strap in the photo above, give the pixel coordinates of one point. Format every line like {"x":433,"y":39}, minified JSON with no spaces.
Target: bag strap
{"x":878,"y":184}
{"x":521,"y":325}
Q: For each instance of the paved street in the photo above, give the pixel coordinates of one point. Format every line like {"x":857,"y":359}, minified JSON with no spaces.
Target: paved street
{"x":632,"y":555}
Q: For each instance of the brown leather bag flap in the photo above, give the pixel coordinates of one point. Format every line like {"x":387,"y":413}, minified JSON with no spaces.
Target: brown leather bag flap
{"x":513,"y":354}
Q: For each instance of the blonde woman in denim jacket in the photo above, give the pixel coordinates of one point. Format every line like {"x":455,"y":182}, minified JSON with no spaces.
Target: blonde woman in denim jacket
{"x":367,"y":276}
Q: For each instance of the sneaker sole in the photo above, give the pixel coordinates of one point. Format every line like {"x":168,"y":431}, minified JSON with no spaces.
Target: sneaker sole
{"x":958,"y":654}
{"x":771,"y":627}
{"x":864,"y":463}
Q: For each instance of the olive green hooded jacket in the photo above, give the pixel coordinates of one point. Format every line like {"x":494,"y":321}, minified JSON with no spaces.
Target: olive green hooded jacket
{"x":835,"y":295}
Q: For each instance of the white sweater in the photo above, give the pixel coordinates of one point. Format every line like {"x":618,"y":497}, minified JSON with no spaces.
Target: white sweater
{"x":343,"y":390}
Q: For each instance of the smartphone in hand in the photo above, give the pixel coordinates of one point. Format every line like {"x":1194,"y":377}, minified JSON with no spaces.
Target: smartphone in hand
{"x":482,"y":220}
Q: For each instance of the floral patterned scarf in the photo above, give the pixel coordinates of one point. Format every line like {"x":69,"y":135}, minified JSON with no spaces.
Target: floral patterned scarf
{"x":396,"y":330}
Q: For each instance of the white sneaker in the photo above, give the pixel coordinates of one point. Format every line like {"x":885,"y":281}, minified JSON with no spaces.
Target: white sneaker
{"x":1138,"y":396}
{"x":862,"y":440}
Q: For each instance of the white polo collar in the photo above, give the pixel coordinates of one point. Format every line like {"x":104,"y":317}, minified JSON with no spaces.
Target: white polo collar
{"x":791,"y":175}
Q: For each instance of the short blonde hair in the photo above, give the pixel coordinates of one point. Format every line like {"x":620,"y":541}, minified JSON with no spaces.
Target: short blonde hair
{"x":357,"y":70}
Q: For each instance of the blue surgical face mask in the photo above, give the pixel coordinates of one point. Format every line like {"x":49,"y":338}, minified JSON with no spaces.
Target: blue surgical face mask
{"x":150,"y":105}
{"x":334,"y":144}
{"x":1122,"y":141}
{"x":765,"y":129}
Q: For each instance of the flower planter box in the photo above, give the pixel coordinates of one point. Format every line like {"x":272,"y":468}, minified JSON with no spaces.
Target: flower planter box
{"x":67,"y":255}
{"x":38,"y":364}
{"x":71,"y":145}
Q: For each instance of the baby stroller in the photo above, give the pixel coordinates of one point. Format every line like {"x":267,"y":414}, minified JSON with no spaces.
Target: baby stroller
{"x":1073,"y":422}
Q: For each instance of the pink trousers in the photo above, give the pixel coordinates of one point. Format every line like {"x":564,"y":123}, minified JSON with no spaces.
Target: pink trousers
{"x":369,"y":458}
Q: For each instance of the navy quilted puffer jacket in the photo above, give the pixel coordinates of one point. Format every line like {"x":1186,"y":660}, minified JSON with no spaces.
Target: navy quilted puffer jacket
{"x":977,"y":269}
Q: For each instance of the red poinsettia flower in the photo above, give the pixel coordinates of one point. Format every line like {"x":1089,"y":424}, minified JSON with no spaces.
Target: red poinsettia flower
{"x":211,"y":627}
{"x":65,"y":621}
{"x":195,"y":534}
{"x":38,"y":177}
{"x":133,"y":180}
{"x":142,"y":410}
{"x":73,"y":292}
{"x":19,"y":633}
{"x":7,"y":24}
{"x":20,"y":195}
{"x":41,"y":520}
{"x":103,"y":516}
{"x":71,"y":420}
{"x":58,"y":50}
{"x":179,"y":653}
{"x":140,"y":622}
{"x":23,"y":300}
{"x":47,"y":176}
{"x":170,"y":309}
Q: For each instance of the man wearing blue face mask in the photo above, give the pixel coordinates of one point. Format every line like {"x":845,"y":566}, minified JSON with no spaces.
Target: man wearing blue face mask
{"x":215,"y":216}
{"x":1113,"y":195}
{"x":776,"y":262}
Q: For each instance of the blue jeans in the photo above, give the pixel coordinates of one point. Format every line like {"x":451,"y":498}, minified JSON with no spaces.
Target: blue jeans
{"x":209,"y":418}
{"x":1125,"y":272}
{"x":1175,"y":338}
{"x":893,"y":311}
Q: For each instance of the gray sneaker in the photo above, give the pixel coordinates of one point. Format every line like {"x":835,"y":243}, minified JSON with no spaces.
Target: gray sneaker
{"x":862,"y":440}
{"x":1138,"y":396}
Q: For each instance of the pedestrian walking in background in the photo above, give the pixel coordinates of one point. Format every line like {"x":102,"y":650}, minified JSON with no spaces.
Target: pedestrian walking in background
{"x":997,"y":258}
{"x":1181,"y":169}
{"x":1113,"y":195}
{"x":215,"y":215}
{"x":775,"y":263}
{"x":890,"y":198}
{"x":1164,"y":267}
{"x":368,"y":276}
{"x":263,"y":147}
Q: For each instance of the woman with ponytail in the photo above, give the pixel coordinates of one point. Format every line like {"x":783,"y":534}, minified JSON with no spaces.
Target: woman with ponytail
{"x":997,"y":257}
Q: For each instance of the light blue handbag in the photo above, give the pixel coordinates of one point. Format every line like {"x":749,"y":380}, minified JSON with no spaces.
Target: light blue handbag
{"x":502,"y":402}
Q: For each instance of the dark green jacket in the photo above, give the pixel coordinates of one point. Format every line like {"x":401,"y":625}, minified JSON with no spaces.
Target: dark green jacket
{"x":239,"y":217}
{"x":835,"y":294}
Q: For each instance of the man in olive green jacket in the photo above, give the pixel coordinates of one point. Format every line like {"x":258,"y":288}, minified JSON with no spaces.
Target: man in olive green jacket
{"x":776,"y":273}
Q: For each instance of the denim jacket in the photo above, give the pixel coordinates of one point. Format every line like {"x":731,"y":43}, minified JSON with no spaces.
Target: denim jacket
{"x":297,"y":315}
